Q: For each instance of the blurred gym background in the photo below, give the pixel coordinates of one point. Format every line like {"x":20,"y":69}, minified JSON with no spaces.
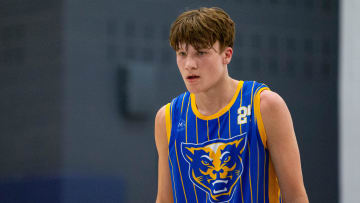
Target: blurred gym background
{"x":81,"y":81}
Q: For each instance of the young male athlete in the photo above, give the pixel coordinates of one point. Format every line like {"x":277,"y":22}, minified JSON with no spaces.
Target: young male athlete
{"x":224,"y":140}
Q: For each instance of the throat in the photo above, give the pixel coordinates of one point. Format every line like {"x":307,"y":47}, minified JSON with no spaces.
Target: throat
{"x":211,"y":107}
{"x":212,"y":102}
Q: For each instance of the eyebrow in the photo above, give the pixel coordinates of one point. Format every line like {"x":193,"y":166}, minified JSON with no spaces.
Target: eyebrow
{"x":207,"y":157}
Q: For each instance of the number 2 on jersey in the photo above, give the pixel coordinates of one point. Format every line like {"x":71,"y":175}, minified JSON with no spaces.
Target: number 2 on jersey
{"x":243,"y":112}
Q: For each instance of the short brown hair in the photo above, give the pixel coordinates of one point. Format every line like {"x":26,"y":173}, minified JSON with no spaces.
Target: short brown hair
{"x":201,"y":28}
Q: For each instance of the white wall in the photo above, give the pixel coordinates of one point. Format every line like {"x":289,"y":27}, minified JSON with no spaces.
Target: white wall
{"x":349,"y":101}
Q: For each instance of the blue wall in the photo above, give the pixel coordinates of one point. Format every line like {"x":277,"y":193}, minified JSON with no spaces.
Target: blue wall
{"x":74,"y":75}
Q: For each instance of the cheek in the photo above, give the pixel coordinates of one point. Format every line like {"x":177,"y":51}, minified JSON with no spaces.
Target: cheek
{"x":180,"y":65}
{"x":214,"y":71}
{"x":216,"y":66}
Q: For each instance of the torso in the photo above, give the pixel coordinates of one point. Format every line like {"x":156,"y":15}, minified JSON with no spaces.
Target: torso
{"x":221,"y":157}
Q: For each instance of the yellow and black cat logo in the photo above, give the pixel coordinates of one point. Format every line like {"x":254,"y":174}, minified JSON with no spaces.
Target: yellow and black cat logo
{"x":215,"y":166}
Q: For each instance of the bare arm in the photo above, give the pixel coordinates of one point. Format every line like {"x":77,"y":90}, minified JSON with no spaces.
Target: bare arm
{"x":283,"y":147}
{"x":164,"y":194}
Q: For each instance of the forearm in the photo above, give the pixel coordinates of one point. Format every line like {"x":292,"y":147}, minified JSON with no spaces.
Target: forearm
{"x":164,"y":194}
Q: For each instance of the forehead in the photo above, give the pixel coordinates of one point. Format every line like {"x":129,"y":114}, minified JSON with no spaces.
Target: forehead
{"x":189,"y":47}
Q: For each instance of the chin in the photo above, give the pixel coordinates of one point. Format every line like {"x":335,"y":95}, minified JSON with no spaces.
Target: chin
{"x":196,"y":89}
{"x":193,"y":90}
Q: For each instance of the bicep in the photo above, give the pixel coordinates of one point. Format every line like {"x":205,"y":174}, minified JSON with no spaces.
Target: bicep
{"x":282,"y":144}
{"x":164,"y":193}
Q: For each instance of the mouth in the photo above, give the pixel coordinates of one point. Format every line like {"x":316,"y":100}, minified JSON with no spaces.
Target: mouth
{"x":220,"y":186}
{"x":192,"y":77}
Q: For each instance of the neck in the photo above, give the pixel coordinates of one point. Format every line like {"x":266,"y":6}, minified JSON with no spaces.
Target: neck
{"x":213,"y":100}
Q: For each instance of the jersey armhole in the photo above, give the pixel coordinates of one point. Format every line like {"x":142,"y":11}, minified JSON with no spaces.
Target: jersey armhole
{"x":258,"y":117}
{"x":168,"y":121}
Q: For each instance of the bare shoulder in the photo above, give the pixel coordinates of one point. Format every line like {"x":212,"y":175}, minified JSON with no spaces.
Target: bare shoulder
{"x":160,"y":130}
{"x":271,"y":102}
{"x":160,"y":116}
{"x":275,"y":115}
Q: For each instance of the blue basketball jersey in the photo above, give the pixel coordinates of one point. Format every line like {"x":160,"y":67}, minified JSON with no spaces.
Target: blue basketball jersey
{"x":222,"y":157}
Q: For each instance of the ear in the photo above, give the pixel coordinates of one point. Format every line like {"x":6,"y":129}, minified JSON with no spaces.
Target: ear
{"x":240,"y":144}
{"x":188,"y":152}
{"x":228,"y":52}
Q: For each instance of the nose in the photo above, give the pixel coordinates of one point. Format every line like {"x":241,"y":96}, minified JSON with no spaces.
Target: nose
{"x":217,"y":173}
{"x":190,"y":63}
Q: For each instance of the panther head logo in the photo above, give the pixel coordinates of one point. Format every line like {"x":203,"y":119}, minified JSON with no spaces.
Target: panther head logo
{"x":216,"y":165}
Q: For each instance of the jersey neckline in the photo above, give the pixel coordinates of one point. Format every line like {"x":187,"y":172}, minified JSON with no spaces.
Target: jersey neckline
{"x":221,"y":111}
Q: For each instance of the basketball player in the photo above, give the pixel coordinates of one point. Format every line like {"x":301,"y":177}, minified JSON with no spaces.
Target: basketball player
{"x":224,"y":140}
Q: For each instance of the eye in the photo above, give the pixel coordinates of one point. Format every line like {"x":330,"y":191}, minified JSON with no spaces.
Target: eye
{"x":200,"y":53}
{"x":181,"y":53}
{"x":227,"y":159}
{"x":204,"y":162}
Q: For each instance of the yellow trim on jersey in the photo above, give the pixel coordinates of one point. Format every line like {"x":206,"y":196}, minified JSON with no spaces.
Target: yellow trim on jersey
{"x":168,"y":121}
{"x":197,"y":136}
{"x":182,"y":103}
{"x":273,"y":187}
{"x":258,"y":174}
{"x":251,"y":194}
{"x":219,"y":128}
{"x":182,"y":182}
{"x":172,"y":168}
{"x":229,"y":125}
{"x":240,"y":106}
{"x":207,"y":131}
{"x":264,"y":174}
{"x":242,"y":195}
{"x":197,"y":201}
{"x":252,"y":91}
{"x":258,"y":117}
{"x":187,"y":111}
{"x":221,"y":111}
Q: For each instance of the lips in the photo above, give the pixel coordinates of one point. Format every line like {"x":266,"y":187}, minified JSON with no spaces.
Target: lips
{"x":220,"y":186}
{"x":192,"y":78}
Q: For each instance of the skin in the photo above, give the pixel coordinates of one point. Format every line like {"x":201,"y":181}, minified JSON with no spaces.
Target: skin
{"x":283,"y":147}
{"x":213,"y":89}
